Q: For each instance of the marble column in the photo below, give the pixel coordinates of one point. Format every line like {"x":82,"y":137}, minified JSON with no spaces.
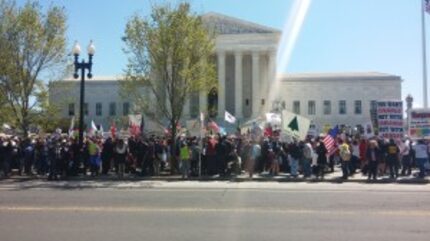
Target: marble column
{"x":221,"y":86}
{"x":256,"y":100}
{"x":272,"y":79}
{"x":238,"y":85}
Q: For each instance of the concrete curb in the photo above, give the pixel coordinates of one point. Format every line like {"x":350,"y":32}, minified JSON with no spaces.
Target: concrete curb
{"x":101,"y":179}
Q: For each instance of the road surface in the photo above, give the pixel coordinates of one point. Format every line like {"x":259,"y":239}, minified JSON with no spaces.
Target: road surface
{"x":309,"y":212}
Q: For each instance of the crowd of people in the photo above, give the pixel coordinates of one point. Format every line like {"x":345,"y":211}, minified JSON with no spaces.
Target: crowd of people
{"x":60,"y":156}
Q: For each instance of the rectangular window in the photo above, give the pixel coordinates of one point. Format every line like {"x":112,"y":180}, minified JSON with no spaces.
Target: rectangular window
{"x":357,"y":107}
{"x":112,"y":109}
{"x":373,"y":104}
{"x":342,"y":107}
{"x":99,"y":110}
{"x":311,"y":107}
{"x":125,"y":108}
{"x":327,"y":107}
{"x":85,"y":108}
{"x":296,"y":107}
{"x":71,"y":109}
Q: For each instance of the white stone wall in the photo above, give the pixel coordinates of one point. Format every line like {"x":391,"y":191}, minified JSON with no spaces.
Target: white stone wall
{"x":105,"y":92}
{"x":347,"y":88}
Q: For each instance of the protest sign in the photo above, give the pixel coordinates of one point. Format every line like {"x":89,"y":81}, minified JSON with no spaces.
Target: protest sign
{"x":295,"y":125}
{"x":419,"y":123}
{"x":390,"y":119}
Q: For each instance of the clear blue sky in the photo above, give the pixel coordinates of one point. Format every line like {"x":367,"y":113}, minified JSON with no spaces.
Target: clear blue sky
{"x":337,"y":36}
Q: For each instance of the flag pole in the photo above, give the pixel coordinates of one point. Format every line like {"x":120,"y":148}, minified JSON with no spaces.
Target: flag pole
{"x":423,"y":32}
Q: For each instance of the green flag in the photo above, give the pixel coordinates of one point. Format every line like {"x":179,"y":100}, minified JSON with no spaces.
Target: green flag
{"x":294,"y":125}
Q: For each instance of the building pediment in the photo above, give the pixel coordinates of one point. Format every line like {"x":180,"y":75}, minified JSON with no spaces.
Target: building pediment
{"x":222,"y":24}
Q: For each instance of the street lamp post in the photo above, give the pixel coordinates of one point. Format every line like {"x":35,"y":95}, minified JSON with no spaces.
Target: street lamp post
{"x":82,"y":66}
{"x":409,"y":102}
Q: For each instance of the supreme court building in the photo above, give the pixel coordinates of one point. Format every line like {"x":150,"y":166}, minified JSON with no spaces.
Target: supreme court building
{"x":246,"y":68}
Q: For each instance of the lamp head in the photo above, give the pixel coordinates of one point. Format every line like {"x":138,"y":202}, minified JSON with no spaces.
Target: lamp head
{"x":76,"y":49}
{"x":91,"y":48}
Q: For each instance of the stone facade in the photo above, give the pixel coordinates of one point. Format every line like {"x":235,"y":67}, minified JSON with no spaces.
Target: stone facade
{"x":328,"y":91}
{"x":246,"y":66}
{"x":102,"y":95}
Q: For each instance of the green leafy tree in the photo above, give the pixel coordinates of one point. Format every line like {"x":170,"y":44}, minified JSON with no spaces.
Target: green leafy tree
{"x":169,"y":59}
{"x":32,"y":47}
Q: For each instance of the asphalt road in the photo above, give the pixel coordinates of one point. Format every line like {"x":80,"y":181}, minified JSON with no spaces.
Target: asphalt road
{"x":215,"y":214}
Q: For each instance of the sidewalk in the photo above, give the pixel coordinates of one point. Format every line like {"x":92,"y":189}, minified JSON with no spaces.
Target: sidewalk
{"x":130,"y":180}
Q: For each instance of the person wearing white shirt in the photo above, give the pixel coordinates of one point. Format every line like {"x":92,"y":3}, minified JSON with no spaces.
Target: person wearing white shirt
{"x":421,"y":156}
{"x":406,"y":157}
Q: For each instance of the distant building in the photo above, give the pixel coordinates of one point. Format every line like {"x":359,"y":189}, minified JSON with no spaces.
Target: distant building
{"x":337,"y":98}
{"x":245,"y":55}
{"x":103,"y":101}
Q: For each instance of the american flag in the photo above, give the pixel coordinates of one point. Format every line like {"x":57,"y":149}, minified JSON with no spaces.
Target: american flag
{"x":330,"y":140}
{"x":427,"y":6}
{"x":213,"y":126}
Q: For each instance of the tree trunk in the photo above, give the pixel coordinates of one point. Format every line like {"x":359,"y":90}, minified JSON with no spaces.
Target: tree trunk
{"x":25,"y":124}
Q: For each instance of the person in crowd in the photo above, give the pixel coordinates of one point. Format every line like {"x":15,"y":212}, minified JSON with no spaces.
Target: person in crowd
{"x":406,"y":157}
{"x":76,"y":157}
{"x":253,"y":158}
{"x":392,"y":158}
{"x":363,"y":160}
{"x":184,"y":155}
{"x":421,"y":150}
{"x":284,"y":165}
{"x":149,"y":156}
{"x":345,"y":156}
{"x":245,"y":154}
{"x":93,"y":152}
{"x":121,"y":152}
{"x":195,"y":156}
{"x":5,"y":151}
{"x":321,"y":152}
{"x":142,"y":152}
{"x":54,"y":157}
{"x":66,"y":157}
{"x":355,"y":156}
{"x":307,"y":156}
{"x":28,"y":156}
{"x":295,"y":154}
{"x":107,"y":155}
{"x":265,"y":146}
{"x":221,"y":155}
{"x":16,"y":155}
{"x":271,"y":161}
{"x":211,"y":155}
{"x":373,"y":155}
{"x":132,"y":154}
{"x":164,"y":154}
{"x":158,"y":156}
{"x":382,"y":164}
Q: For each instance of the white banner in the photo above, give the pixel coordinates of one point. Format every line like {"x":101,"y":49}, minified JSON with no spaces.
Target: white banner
{"x":295,"y":125}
